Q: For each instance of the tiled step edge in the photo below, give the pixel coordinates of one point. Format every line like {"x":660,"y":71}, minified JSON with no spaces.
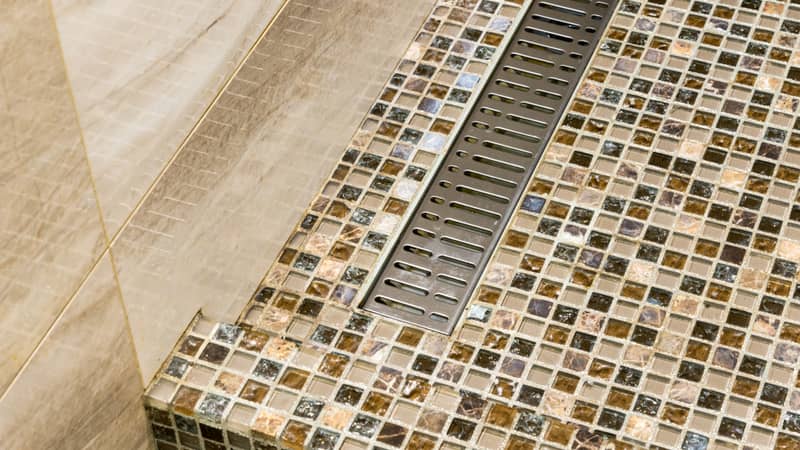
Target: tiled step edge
{"x":368,"y":196}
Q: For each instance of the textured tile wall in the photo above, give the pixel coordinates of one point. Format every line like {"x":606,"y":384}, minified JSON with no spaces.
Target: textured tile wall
{"x":82,"y":387}
{"x":645,"y":294}
{"x":68,"y":369}
{"x":50,"y":227}
{"x":142,"y":73}
{"x":222,"y":209}
{"x":96,"y":98}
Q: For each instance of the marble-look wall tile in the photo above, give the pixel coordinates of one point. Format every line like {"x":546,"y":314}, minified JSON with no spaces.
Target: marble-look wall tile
{"x":50,"y":228}
{"x":82,"y":386}
{"x":222,"y":210}
{"x":143,"y":72}
{"x":126,"y":432}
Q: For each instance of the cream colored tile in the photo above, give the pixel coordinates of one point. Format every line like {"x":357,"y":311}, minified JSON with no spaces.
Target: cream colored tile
{"x":217,"y":218}
{"x":143,"y":72}
{"x":81,"y":380}
{"x":119,"y":434}
{"x":50,"y":229}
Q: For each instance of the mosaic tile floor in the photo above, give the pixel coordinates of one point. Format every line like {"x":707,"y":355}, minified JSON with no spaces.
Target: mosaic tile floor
{"x":644,"y":296}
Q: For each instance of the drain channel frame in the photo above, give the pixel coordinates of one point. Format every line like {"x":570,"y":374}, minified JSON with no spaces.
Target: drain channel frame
{"x":437,"y":260}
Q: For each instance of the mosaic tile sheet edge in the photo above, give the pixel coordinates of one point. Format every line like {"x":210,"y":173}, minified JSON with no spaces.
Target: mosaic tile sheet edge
{"x":644,"y":297}
{"x":446,"y":69}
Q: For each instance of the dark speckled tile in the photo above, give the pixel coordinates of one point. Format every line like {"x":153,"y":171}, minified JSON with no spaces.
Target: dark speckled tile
{"x":644,"y":296}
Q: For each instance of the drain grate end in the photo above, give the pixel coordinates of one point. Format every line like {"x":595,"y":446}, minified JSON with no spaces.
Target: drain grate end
{"x":438,"y":259}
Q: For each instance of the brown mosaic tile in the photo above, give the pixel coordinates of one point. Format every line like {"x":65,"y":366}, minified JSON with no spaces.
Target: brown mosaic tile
{"x":644,"y":295}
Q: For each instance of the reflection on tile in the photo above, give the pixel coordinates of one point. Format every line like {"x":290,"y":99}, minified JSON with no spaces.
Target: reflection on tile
{"x":142,"y":73}
{"x":330,"y":377}
{"x":659,"y":307}
{"x":128,"y":431}
{"x":82,"y":378}
{"x":50,"y":229}
{"x":224,"y":206}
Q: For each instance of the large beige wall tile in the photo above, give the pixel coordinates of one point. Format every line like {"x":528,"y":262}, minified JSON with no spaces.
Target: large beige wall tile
{"x":50,"y":228}
{"x":130,"y":430}
{"x":81,"y":379}
{"x":214,"y":222}
{"x":143,"y":72}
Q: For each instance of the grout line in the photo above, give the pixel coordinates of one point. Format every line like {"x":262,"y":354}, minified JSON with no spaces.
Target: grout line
{"x":371,"y":280}
{"x":127,"y":318}
{"x":96,"y":263}
{"x":240,"y":318}
{"x":107,"y":250}
{"x":197,"y":124}
{"x":110,"y":240}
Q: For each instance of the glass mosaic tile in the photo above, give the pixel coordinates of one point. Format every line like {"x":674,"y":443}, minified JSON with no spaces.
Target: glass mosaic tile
{"x":644,"y":294}
{"x":439,"y":256}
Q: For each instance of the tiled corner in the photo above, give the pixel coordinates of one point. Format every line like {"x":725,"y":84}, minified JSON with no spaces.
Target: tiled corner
{"x":142,"y":73}
{"x":220,"y":213}
{"x":644,"y":295}
{"x":51,"y":231}
{"x":342,"y":235}
{"x":82,"y":386}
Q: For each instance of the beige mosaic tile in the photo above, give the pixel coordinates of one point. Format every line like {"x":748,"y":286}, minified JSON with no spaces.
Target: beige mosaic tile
{"x":50,"y":228}
{"x":428,"y":93}
{"x":82,"y":385}
{"x":222,"y":209}
{"x":644,"y":296}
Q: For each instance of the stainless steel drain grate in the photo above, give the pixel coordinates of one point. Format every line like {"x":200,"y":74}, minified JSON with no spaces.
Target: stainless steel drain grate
{"x":439,"y":257}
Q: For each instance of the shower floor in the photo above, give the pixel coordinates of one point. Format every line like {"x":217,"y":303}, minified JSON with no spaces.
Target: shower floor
{"x":643,"y":295}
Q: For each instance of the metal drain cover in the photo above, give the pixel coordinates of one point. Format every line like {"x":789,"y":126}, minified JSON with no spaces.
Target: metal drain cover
{"x":438,"y":258}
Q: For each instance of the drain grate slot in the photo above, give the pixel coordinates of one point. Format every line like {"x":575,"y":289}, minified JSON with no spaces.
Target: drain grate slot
{"x":439,"y":257}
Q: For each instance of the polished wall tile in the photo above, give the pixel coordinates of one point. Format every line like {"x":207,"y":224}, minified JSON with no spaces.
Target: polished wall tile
{"x":143,"y":72}
{"x":50,"y":227}
{"x":126,"y":432}
{"x":82,"y":386}
{"x":216,"y":219}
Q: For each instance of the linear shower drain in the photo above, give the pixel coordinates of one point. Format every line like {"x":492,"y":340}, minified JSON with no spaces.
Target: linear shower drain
{"x":439,"y":256}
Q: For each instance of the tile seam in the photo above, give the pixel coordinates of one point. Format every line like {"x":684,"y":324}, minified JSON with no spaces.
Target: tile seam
{"x":319,"y":192}
{"x":151,"y":187}
{"x":90,"y":269}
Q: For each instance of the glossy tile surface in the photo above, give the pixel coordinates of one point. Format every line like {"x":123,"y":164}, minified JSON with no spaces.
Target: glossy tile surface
{"x":222,"y":209}
{"x":654,"y":261}
{"x":82,"y":386}
{"x":143,"y":72}
{"x":126,"y":431}
{"x":644,"y":296}
{"x":50,"y":227}
{"x":218,"y":373}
